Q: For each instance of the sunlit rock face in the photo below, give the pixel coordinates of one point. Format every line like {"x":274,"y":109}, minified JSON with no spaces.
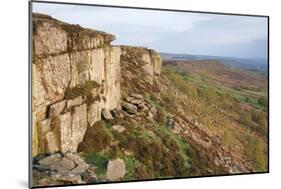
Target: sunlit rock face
{"x":76,"y":74}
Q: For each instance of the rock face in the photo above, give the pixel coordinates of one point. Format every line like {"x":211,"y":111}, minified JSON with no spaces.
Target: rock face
{"x":76,"y":74}
{"x":144,"y":60}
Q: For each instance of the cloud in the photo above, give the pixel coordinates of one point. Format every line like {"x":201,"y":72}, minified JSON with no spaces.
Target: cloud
{"x":175,"y":32}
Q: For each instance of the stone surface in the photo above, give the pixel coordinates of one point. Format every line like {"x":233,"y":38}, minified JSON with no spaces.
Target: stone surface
{"x":52,"y":144}
{"x":106,"y":114}
{"x":79,"y":126}
{"x":57,"y":108}
{"x":128,"y":98}
{"x":130,"y":108}
{"x":43,"y":128}
{"x":94,"y":113}
{"x":74,"y":102}
{"x":50,"y":159}
{"x":74,"y":157}
{"x":115,"y":170}
{"x":80,"y":168}
{"x":136,"y":101}
{"x":62,"y":165}
{"x":118,"y":128}
{"x":62,"y":126}
{"x":142,"y":107}
{"x":137,"y":96}
{"x":66,"y":56}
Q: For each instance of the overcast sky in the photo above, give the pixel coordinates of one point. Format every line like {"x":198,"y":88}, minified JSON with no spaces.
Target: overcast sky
{"x":172,"y":32}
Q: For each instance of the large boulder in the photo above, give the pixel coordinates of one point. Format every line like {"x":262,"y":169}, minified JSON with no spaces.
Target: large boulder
{"x":116,"y":169}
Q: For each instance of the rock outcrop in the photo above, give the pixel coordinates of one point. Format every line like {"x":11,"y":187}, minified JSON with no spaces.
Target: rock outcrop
{"x":59,"y":169}
{"x":77,"y":75}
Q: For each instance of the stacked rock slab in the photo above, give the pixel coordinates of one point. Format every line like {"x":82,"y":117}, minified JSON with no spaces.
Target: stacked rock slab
{"x":76,"y":75}
{"x":67,"y":57}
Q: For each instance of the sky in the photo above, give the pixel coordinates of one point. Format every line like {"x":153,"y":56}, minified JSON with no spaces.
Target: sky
{"x":169,"y":31}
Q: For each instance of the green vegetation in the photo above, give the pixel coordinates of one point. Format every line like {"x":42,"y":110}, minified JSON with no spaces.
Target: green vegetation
{"x":82,"y":90}
{"x":96,"y":139}
{"x":255,"y":151}
{"x":210,"y":90}
{"x":99,"y":160}
{"x":160,"y":154}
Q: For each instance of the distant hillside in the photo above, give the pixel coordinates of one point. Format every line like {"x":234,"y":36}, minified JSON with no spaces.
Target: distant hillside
{"x":219,"y":72}
{"x":254,"y":64}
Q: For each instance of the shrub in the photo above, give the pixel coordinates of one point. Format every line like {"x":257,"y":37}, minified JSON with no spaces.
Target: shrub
{"x":95,"y":139}
{"x":170,"y":143}
{"x":254,"y":151}
{"x":81,"y":90}
{"x":98,"y":160}
{"x":141,"y":173}
{"x":263,"y":101}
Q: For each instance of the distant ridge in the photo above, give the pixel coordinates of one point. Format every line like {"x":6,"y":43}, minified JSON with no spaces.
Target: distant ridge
{"x":254,"y":64}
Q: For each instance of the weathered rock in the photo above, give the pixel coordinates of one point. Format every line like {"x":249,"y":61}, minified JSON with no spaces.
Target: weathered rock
{"x":107,"y":114}
{"x":170,"y":123}
{"x":74,"y":157}
{"x":112,"y":77}
{"x":94,"y":113}
{"x":137,"y":96}
{"x":62,"y":165}
{"x":48,"y":38}
{"x":154,"y":111}
{"x":118,"y":128}
{"x":149,"y":115}
{"x":80,"y":168}
{"x":142,"y":107}
{"x":115,"y":170}
{"x":128,"y":98}
{"x":68,"y":178}
{"x":130,"y":108}
{"x":50,"y":159}
{"x":136,"y":101}
{"x":156,"y":61}
{"x":74,"y":102}
{"x":67,"y":56}
{"x":52,"y":144}
{"x":79,"y":126}
{"x":62,"y":126}
{"x":50,"y":78}
{"x":43,"y":128}
{"x":118,"y":113}
{"x":57,"y":108}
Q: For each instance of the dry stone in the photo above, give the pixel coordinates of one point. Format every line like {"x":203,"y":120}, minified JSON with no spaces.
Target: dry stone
{"x":107,"y":114}
{"x":137,"y":96}
{"x":50,"y":159}
{"x":115,"y":170}
{"x":74,"y":102}
{"x":130,"y":108}
{"x":118,"y":128}
{"x":57,"y":108}
{"x":94,"y":113}
{"x":80,"y":168}
{"x":79,"y":126}
{"x":62,"y":126}
{"x":62,"y":165}
{"x":51,"y":142}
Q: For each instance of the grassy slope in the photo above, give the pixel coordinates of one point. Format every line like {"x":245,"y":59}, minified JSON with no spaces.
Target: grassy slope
{"x":166,"y":154}
{"x":245,"y":137}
